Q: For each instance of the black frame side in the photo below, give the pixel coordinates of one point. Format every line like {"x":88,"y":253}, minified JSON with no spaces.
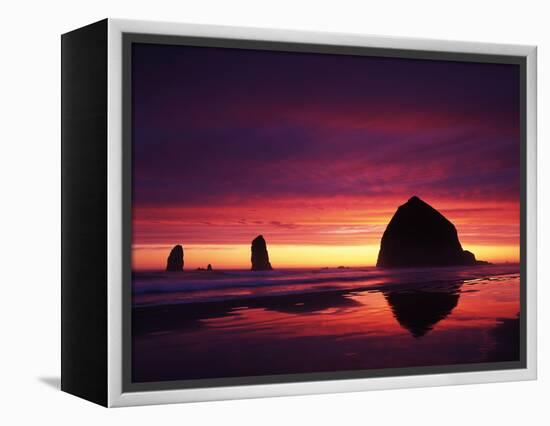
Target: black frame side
{"x":84,"y":212}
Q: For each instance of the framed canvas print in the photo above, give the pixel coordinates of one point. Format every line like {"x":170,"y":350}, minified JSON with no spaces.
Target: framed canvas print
{"x":251,"y":212}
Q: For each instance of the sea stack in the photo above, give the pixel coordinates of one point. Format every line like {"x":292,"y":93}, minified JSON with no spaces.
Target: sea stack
{"x":260,"y":257}
{"x":418,"y":235}
{"x":175,"y":259}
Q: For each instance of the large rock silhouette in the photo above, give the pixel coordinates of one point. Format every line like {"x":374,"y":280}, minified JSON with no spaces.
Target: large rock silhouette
{"x":418,"y":235}
{"x":175,"y":259}
{"x":260,"y":257}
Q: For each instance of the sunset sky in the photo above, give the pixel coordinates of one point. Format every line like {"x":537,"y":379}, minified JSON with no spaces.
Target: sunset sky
{"x":316,"y":152}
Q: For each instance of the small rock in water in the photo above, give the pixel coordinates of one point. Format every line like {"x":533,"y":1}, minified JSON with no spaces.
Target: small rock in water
{"x":260,"y":257}
{"x":175,"y":259}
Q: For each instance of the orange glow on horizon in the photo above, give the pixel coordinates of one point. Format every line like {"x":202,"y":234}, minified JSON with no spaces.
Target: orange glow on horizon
{"x":313,"y":232}
{"x":237,"y":256}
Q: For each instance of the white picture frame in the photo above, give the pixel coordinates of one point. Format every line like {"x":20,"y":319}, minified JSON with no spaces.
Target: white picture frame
{"x":116,"y":394}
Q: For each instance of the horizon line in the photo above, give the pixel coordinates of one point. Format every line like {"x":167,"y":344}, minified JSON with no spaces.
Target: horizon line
{"x":340,"y":267}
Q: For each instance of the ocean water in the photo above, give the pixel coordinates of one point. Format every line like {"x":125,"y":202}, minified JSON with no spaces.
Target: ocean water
{"x":222,"y":324}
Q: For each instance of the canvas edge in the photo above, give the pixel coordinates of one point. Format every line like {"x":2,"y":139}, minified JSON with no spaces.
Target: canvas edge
{"x":116,"y":397}
{"x":532,"y":216}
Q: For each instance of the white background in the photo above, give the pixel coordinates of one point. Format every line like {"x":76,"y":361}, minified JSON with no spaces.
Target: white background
{"x":30,"y":210}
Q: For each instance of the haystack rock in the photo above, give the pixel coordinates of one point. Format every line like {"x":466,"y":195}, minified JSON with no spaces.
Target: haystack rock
{"x":175,"y":259}
{"x":418,"y":235}
{"x":209,"y":267}
{"x":260,"y":257}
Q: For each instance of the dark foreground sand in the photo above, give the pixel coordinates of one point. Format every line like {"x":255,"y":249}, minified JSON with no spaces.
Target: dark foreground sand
{"x":464,"y":322}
